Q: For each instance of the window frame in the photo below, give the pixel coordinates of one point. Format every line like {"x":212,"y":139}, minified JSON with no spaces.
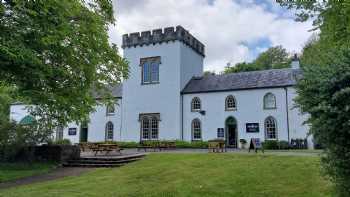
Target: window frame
{"x":193,"y":104}
{"x":265,"y":101}
{"x":150,"y":61}
{"x":109,"y":125}
{"x":196,"y":120}
{"x":152,"y":120}
{"x":267,"y":136}
{"x":227,"y":108}
{"x":108,"y":108}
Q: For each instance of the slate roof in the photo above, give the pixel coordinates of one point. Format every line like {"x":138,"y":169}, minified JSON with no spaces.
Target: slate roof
{"x":117,"y":91}
{"x":243,"y":80}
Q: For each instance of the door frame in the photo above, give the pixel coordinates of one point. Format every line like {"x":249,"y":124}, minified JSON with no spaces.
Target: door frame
{"x":227,"y":132}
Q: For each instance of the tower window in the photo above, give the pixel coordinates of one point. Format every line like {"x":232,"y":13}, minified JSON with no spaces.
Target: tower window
{"x":150,"y":70}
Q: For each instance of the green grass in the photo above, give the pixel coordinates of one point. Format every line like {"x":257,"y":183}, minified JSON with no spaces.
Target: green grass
{"x":12,"y":171}
{"x":193,"y":175}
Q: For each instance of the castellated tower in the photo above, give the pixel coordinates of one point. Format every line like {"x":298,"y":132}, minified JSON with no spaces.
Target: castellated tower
{"x":161,"y":63}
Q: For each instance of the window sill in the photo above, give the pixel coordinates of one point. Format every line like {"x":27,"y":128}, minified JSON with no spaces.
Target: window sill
{"x":150,"y":83}
{"x":196,"y":110}
{"x":110,"y":114}
{"x":231,"y":109}
{"x":272,"y":108}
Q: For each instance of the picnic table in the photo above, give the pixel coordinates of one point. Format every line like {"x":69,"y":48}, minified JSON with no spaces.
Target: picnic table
{"x":96,"y":147}
{"x":156,"y":145}
{"x":216,"y":145}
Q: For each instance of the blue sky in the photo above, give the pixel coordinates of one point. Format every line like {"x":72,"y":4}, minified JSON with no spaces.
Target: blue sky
{"x":232,"y":30}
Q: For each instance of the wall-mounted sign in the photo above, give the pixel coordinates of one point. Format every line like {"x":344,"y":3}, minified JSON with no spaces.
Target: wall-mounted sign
{"x":72,"y":131}
{"x":252,"y":127}
{"x":221,"y":133}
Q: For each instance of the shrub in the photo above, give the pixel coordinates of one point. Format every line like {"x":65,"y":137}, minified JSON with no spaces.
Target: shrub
{"x":128,"y":144}
{"x":194,"y":144}
{"x":283,"y":145}
{"x":63,"y":142}
{"x":270,"y":144}
{"x":14,"y":137}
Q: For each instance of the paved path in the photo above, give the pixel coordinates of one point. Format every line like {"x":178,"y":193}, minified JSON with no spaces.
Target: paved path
{"x":53,"y":175}
{"x":239,"y":151}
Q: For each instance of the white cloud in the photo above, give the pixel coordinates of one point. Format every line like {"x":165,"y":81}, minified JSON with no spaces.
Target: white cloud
{"x":222,"y":25}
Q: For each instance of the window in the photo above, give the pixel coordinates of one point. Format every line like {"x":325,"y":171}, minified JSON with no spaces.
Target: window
{"x":149,"y":126}
{"x":230,"y":103}
{"x":110,"y":110}
{"x":150,"y":70}
{"x":196,"y":104}
{"x":269,"y":101}
{"x":270,"y":128}
{"x":196,"y":130}
{"x":109,"y":131}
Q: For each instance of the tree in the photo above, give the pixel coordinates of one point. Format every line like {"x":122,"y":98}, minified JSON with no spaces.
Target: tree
{"x":57,"y":54}
{"x":324,"y":90}
{"x":274,"y":58}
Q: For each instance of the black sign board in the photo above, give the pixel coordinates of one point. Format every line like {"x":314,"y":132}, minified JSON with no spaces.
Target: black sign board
{"x":221,"y":133}
{"x":255,"y":144}
{"x":72,"y":131}
{"x":252,"y":127}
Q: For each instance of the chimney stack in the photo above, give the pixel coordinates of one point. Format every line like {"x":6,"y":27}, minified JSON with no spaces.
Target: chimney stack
{"x":295,"y":62}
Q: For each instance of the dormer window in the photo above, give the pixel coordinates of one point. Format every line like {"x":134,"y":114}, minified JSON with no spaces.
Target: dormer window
{"x":150,"y":70}
{"x":196,"y":104}
{"x":110,"y":110}
{"x":269,"y":101}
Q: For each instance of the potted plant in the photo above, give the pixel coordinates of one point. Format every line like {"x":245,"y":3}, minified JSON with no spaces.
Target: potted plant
{"x":243,"y":143}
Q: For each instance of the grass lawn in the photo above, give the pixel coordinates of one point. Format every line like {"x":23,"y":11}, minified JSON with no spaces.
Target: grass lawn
{"x":11,"y":171}
{"x":193,"y":175}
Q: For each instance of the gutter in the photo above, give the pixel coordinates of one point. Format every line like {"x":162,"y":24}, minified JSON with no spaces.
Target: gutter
{"x":182,"y":117}
{"x":286,"y":90}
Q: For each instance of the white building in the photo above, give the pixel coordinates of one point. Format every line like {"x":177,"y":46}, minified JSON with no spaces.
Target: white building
{"x":167,"y":97}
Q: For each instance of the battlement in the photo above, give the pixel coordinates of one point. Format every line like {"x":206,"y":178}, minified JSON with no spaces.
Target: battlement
{"x":159,"y":36}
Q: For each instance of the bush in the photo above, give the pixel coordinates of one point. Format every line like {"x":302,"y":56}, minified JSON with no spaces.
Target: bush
{"x":128,"y":144}
{"x":270,"y":144}
{"x":14,"y":137}
{"x":63,"y":142}
{"x":194,"y":144}
{"x":283,"y":145}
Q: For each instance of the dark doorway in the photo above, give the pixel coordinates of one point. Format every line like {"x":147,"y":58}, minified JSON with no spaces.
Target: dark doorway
{"x":231,"y":132}
{"x":84,"y":133}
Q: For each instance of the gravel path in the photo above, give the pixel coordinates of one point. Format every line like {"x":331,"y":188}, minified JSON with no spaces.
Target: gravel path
{"x":53,"y":175}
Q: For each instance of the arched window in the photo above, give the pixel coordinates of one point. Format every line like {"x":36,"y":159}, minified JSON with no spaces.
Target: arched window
{"x":270,"y":128}
{"x":269,"y":101}
{"x":110,"y":110}
{"x":109,"y":131}
{"x":149,"y":127}
{"x":230,"y":103}
{"x":196,"y":104}
{"x":196,"y":130}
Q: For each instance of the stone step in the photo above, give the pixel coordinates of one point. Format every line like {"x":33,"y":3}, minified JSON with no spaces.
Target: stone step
{"x":91,"y":165}
{"x":104,"y":161}
{"x":113,"y":158}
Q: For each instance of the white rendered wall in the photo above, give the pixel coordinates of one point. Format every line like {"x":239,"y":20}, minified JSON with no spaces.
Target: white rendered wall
{"x":191,"y":64}
{"x":249,"y":110}
{"x":18,"y":111}
{"x":164,"y":97}
{"x":96,"y":126}
{"x":98,"y":121}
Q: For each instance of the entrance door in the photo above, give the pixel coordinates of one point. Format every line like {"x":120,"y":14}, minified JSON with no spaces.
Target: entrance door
{"x":83,"y":133}
{"x":231,"y":132}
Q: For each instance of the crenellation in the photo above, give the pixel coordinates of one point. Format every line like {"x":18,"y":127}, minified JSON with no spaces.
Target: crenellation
{"x":158,"y":36}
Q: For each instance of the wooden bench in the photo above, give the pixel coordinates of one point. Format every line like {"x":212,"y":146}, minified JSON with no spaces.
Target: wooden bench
{"x":96,"y":147}
{"x":216,"y":145}
{"x":156,"y":145}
